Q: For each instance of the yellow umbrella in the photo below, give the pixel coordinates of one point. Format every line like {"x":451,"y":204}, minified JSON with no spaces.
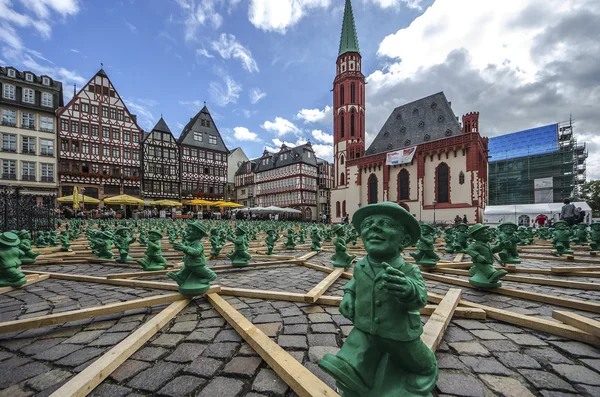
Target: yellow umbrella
{"x":75,"y":198}
{"x":168,"y":203}
{"x":123,"y":199}
{"x":217,"y":203}
{"x":197,"y":202}
{"x":229,"y":204}
{"x":80,"y":198}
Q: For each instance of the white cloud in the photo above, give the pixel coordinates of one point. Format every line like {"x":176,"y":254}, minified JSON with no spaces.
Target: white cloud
{"x":244,"y":134}
{"x":323,"y":151}
{"x":256,"y":95}
{"x":194,"y":105}
{"x":321,"y":136}
{"x":278,"y":15}
{"x":37,"y":14}
{"x":316,"y":116}
{"x":415,"y":4}
{"x":144,"y":115}
{"x":226,"y":92}
{"x":131,"y":27}
{"x":199,"y":13}
{"x":228,"y":47}
{"x":203,"y":52}
{"x":247,"y":113}
{"x":280,"y":127}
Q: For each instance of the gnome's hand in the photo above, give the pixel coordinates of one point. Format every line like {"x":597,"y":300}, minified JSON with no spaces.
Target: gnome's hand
{"x":396,"y":282}
{"x":347,"y":306}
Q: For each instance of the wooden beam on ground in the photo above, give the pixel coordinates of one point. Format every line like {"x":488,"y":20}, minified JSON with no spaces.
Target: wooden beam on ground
{"x":576,"y":320}
{"x":548,"y":272}
{"x":434,"y":328}
{"x":533,"y":296}
{"x":559,"y":259}
{"x":31,"y":279}
{"x":319,"y":289}
{"x":534,"y":280}
{"x":458,"y":258}
{"x":290,"y":370}
{"x":87,"y":380}
{"x":326,"y":269}
{"x":64,"y":317}
{"x":306,"y":257}
{"x":574,"y":269}
{"x":535,"y":323}
{"x":453,"y":265}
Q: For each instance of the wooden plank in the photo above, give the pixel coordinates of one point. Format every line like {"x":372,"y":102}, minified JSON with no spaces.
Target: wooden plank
{"x":87,"y":380}
{"x":290,"y":370}
{"x":574,"y":269}
{"x":64,"y":317}
{"x":458,"y":258}
{"x":534,"y":280}
{"x":534,"y":296}
{"x":453,"y":265}
{"x":306,"y":257}
{"x":434,"y":328}
{"x":325,"y":269}
{"x":31,"y":279}
{"x":548,"y":272}
{"x":576,"y":320}
{"x":319,"y":289}
{"x":535,"y":323}
{"x":559,"y":259}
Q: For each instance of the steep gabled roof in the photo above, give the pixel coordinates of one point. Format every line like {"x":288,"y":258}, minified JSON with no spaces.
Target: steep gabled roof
{"x":161,"y":126}
{"x":195,"y":125}
{"x":242,"y":169}
{"x":426,"y":119}
{"x":348,"y":39}
{"x":286,"y":156}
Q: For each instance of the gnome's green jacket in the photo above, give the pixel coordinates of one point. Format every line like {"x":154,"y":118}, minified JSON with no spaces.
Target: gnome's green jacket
{"x":479,"y":248}
{"x":194,"y":254}
{"x":378,"y":313}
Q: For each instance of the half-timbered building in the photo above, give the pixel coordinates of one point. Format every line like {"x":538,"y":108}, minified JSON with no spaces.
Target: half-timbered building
{"x":99,"y":142}
{"x":244,"y":183}
{"x":160,"y":164}
{"x":203,"y":159}
{"x":288,"y":178}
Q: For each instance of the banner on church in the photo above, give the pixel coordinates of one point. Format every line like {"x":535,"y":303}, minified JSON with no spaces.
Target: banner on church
{"x":401,"y":156}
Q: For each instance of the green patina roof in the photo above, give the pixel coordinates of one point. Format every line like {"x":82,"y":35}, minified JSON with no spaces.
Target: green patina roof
{"x":348,"y":40}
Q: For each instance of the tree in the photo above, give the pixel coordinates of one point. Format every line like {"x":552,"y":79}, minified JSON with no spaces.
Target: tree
{"x":590,"y":193}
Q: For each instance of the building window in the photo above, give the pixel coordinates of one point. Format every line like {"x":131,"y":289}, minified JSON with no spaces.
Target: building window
{"x":94,"y":130}
{"x":198,"y":136}
{"x":29,"y":77}
{"x":461,"y":178}
{"x":28,"y":171}
{"x":28,"y":95}
{"x":47,"y":172}
{"x":120,"y":115}
{"x":28,"y":120}
{"x":342,"y":179}
{"x":104,"y":111}
{"x":126,"y":136}
{"x":208,"y":123}
{"x":136,"y":137}
{"x":75,"y":146}
{"x":9,"y":143}
{"x":85,"y":147}
{"x":28,"y":145}
{"x":46,"y":147}
{"x":85,"y":128}
{"x":85,"y":107}
{"x":342,"y":126}
{"x":372,"y":189}
{"x":113,"y":113}
{"x":403,"y":185}
{"x":127,"y":154}
{"x":352,"y":93}
{"x":76,"y":107}
{"x":212,"y":139}
{"x":136,"y":155}
{"x":9,"y":117}
{"x":46,"y":124}
{"x":64,"y":125}
{"x":9,"y":169}
{"x":11,"y":73}
{"x":45,"y":81}
{"x":443,"y":194}
{"x":352,"y":123}
{"x":9,"y":91}
{"x":64,"y":145}
{"x":105,"y":132}
{"x":95,"y":149}
{"x":47,"y":99}
{"x":106,"y":151}
{"x":337,"y":209}
{"x":344,"y":208}
{"x":94,"y":108}
{"x":115,"y":134}
{"x":74,"y":127}
{"x":341,"y":95}
{"x":116,"y":153}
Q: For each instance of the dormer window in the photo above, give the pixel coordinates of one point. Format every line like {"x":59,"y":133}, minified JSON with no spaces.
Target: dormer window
{"x":11,"y":73}
{"x":198,"y":136}
{"x":29,"y":77}
{"x":207,"y":123}
{"x":45,"y":81}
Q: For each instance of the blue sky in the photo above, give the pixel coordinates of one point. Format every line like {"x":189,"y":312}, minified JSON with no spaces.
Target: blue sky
{"x":265,"y":67}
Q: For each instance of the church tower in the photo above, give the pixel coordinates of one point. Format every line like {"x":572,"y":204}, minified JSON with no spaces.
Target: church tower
{"x":348,"y":102}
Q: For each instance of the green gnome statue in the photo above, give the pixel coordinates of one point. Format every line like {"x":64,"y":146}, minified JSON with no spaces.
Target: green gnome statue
{"x":240,"y":256}
{"x":341,"y":258}
{"x":25,"y":246}
{"x":154,"y":259}
{"x":483,"y":273}
{"x":426,"y":256}
{"x":10,"y":275}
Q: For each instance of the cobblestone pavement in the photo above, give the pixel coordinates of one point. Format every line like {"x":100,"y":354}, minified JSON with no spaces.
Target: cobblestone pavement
{"x":199,"y":354}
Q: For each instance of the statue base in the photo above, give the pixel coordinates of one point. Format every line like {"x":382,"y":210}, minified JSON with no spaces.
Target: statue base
{"x":341,"y":263}
{"x":16,"y":283}
{"x":427,"y":263}
{"x":124,"y":260}
{"x":27,"y":260}
{"x":239,"y":263}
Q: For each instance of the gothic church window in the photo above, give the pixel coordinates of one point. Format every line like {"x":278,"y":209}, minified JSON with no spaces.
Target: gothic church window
{"x":352,"y":93}
{"x":461,"y":178}
{"x":372,"y":189}
{"x":352,"y":123}
{"x":403,"y":183}
{"x":341,"y":95}
{"x":342,"y":126}
{"x":443,"y":186}
{"x":342,"y":179}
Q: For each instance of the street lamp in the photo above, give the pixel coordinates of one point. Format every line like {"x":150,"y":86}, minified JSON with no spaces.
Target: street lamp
{"x":434,"y":204}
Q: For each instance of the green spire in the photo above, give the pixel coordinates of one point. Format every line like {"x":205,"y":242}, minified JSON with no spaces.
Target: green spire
{"x":349,"y":40}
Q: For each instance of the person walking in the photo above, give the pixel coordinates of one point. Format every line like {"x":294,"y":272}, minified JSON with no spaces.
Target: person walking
{"x":540,"y":220}
{"x":567,"y":212}
{"x":465,"y":219}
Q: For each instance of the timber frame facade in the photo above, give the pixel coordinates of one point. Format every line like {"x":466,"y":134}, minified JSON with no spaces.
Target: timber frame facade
{"x":203,"y":159}
{"x":160,"y":164}
{"x":99,"y":142}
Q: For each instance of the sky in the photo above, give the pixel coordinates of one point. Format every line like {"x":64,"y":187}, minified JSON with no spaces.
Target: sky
{"x":265,"y":68}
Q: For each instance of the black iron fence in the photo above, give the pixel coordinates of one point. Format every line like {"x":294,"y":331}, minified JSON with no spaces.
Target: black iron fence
{"x":22,"y":211}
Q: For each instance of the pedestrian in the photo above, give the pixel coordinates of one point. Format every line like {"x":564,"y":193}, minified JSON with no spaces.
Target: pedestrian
{"x":457,"y":220}
{"x":540,"y":220}
{"x":567,"y":212}
{"x":581,"y":215}
{"x":465,"y":219}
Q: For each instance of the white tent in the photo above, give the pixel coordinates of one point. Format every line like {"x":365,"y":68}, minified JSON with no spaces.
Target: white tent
{"x":525,"y":214}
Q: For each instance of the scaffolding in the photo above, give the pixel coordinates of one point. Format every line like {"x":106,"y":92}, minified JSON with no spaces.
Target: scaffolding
{"x":542,"y":165}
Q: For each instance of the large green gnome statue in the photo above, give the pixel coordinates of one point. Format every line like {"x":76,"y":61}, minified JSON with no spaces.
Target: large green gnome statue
{"x":341,"y":258}
{"x":484,"y":275}
{"x":10,"y":275}
{"x":426,"y":256}
{"x":240,"y":256}
{"x":154,"y":259}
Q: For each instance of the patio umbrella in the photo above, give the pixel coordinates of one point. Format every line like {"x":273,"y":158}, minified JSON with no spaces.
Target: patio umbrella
{"x":197,"y":202}
{"x":80,"y":197}
{"x":168,"y":203}
{"x":75,"y":198}
{"x":229,"y":204}
{"x":123,"y":199}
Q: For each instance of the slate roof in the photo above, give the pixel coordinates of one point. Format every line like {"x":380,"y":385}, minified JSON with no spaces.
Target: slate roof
{"x":426,"y":119}
{"x":195,"y":125}
{"x":298,"y":154}
{"x":348,"y":39}
{"x":242,"y":168}
{"x":161,"y":125}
